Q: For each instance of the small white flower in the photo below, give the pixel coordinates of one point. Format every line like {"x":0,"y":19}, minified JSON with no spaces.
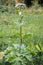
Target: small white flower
{"x":20,"y":13}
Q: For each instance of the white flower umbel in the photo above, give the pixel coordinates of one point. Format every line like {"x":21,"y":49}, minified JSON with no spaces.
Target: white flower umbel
{"x":19,"y":4}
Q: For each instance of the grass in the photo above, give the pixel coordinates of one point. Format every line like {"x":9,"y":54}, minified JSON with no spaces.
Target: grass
{"x":9,"y":27}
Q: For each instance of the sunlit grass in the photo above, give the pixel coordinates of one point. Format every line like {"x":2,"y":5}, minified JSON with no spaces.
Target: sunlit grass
{"x":9,"y":26}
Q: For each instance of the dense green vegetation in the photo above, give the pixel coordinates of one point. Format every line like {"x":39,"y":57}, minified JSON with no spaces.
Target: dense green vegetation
{"x":21,"y":35}
{"x":10,"y":28}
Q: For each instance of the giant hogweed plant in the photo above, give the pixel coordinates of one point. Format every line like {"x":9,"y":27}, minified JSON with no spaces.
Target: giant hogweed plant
{"x":20,"y":54}
{"x":17,"y":53}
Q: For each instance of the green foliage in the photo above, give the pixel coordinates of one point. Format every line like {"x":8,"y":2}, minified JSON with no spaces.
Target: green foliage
{"x":21,"y":38}
{"x":32,"y":31}
{"x":38,"y":58}
{"x":7,"y":9}
{"x":24,"y":55}
{"x":20,"y":57}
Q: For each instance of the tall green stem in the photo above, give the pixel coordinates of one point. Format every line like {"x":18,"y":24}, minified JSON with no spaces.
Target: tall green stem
{"x":21,"y":41}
